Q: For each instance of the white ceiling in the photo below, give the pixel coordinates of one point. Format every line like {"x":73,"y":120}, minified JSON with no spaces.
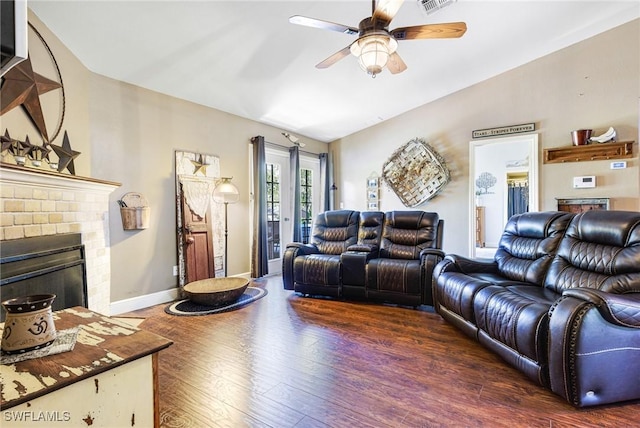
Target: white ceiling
{"x":245,"y":58}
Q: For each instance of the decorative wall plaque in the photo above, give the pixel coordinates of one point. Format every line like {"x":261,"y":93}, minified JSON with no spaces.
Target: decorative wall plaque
{"x":503,"y":130}
{"x":416,"y":173}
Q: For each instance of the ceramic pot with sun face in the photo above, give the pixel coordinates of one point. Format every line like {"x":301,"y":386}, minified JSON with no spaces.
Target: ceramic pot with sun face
{"x":29,"y":323}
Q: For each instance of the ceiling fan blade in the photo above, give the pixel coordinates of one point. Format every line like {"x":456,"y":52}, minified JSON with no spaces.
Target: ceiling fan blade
{"x":386,"y":9}
{"x":447,"y":30}
{"x":334,"y":58}
{"x":323,"y":25}
{"x":395,"y":64}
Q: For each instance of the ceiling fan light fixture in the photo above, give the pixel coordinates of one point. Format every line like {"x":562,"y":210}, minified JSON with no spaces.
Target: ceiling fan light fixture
{"x":376,"y":45}
{"x":373,"y":52}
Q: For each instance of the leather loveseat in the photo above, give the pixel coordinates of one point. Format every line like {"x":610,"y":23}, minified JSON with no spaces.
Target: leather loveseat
{"x":387,"y":257}
{"x":560,"y":302}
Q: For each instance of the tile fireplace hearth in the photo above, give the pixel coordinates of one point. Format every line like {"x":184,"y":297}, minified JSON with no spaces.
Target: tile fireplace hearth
{"x":36,"y":203}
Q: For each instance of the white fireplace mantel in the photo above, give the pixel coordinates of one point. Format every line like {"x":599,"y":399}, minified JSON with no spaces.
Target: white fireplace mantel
{"x":17,"y":175}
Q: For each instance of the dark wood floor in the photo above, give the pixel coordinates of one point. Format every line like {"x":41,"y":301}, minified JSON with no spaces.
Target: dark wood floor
{"x":291,"y":361}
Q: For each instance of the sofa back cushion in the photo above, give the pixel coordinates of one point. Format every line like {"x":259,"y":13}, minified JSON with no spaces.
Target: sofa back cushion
{"x":370,"y":228}
{"x":406,"y":233}
{"x":600,"y":250}
{"x":334,"y":231}
{"x":529,"y":243}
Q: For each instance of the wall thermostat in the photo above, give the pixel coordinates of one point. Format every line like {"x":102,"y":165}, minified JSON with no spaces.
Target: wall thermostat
{"x":584,"y":182}
{"x":618,"y":165}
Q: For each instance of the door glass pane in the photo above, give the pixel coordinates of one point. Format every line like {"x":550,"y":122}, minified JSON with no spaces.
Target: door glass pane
{"x":306,"y":212}
{"x":273,"y":211}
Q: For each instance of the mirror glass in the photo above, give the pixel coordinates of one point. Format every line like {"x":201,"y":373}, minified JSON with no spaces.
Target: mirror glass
{"x":503,"y":181}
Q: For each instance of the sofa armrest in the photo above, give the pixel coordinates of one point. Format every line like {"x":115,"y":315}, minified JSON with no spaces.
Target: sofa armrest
{"x":429,"y":259}
{"x":364,"y":248}
{"x":456,"y":263}
{"x":292,"y":251}
{"x":432,"y":251}
{"x":620,"y":309}
{"x":591,"y":357}
{"x":302,"y":249}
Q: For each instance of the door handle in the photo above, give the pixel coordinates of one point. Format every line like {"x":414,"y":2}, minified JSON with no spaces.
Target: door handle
{"x":188,"y":238}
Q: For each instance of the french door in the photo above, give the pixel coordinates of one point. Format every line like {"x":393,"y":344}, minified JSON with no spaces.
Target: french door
{"x":279,"y":202}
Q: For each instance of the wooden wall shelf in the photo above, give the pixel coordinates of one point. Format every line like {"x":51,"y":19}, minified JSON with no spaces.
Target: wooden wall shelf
{"x":589,"y":152}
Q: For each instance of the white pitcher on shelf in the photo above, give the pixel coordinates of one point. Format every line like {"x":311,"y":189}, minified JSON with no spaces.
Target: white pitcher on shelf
{"x":610,"y":135}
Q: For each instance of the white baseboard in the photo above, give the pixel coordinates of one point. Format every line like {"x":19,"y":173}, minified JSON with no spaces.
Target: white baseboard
{"x":141,"y":302}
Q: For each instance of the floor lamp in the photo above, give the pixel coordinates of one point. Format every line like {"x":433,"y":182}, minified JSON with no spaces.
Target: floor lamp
{"x":225,"y":193}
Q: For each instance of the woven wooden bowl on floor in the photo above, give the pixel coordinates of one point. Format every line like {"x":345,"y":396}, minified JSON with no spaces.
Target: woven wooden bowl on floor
{"x":216,"y":291}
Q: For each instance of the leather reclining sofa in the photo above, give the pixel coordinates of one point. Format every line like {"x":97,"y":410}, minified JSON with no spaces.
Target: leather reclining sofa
{"x":560,"y":302}
{"x":386,"y":257}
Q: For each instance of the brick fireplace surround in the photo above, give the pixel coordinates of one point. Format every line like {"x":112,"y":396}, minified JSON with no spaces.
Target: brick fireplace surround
{"x":36,"y":202}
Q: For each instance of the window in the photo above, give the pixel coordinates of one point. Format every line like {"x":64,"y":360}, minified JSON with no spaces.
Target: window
{"x":306,"y":199}
{"x":273,"y":211}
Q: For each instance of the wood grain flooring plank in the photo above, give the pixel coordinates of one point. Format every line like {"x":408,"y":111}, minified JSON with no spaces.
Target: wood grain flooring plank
{"x":327,"y":412}
{"x":206,"y":410}
{"x":293,"y":361}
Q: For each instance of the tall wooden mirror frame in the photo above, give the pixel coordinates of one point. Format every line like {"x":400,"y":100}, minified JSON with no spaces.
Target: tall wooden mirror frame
{"x":530,"y":147}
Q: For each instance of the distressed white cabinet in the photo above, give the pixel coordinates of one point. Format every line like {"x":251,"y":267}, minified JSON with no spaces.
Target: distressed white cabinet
{"x":108,"y":380}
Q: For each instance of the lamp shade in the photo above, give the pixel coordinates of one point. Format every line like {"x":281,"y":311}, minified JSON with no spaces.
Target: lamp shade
{"x":226,"y":192}
{"x":373,"y":51}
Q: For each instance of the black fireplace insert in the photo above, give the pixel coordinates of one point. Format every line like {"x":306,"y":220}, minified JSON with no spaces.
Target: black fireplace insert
{"x":42,"y":265}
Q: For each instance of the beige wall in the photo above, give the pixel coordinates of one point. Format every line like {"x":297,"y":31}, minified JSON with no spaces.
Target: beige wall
{"x":129,"y":135}
{"x":593,"y":84}
{"x":134,"y":134}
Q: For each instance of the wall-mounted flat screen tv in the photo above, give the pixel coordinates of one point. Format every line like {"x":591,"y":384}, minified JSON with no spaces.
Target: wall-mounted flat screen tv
{"x":13,"y":33}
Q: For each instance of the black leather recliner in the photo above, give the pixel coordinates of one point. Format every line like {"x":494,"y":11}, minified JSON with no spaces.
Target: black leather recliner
{"x":526,"y":249}
{"x":594,"y":329}
{"x":315,"y":268}
{"x":560,"y":302}
{"x":410,"y":249}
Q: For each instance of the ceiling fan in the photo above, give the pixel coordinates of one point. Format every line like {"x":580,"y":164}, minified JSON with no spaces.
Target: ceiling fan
{"x":376,"y":45}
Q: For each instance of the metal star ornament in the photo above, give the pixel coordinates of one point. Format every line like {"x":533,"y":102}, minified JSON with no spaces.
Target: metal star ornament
{"x":65,"y":155}
{"x":7,"y":141}
{"x":200,"y":165}
{"x":21,"y":148}
{"x":23,"y":87}
{"x":38,"y":154}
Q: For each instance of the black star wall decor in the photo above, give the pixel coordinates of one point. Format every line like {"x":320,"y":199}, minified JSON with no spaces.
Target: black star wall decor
{"x":7,"y":141}
{"x":38,"y":154}
{"x":65,"y":155}
{"x":23,"y":87}
{"x":21,"y":148}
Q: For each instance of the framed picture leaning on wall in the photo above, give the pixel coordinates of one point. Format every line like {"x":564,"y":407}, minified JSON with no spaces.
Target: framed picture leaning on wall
{"x":373,"y":192}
